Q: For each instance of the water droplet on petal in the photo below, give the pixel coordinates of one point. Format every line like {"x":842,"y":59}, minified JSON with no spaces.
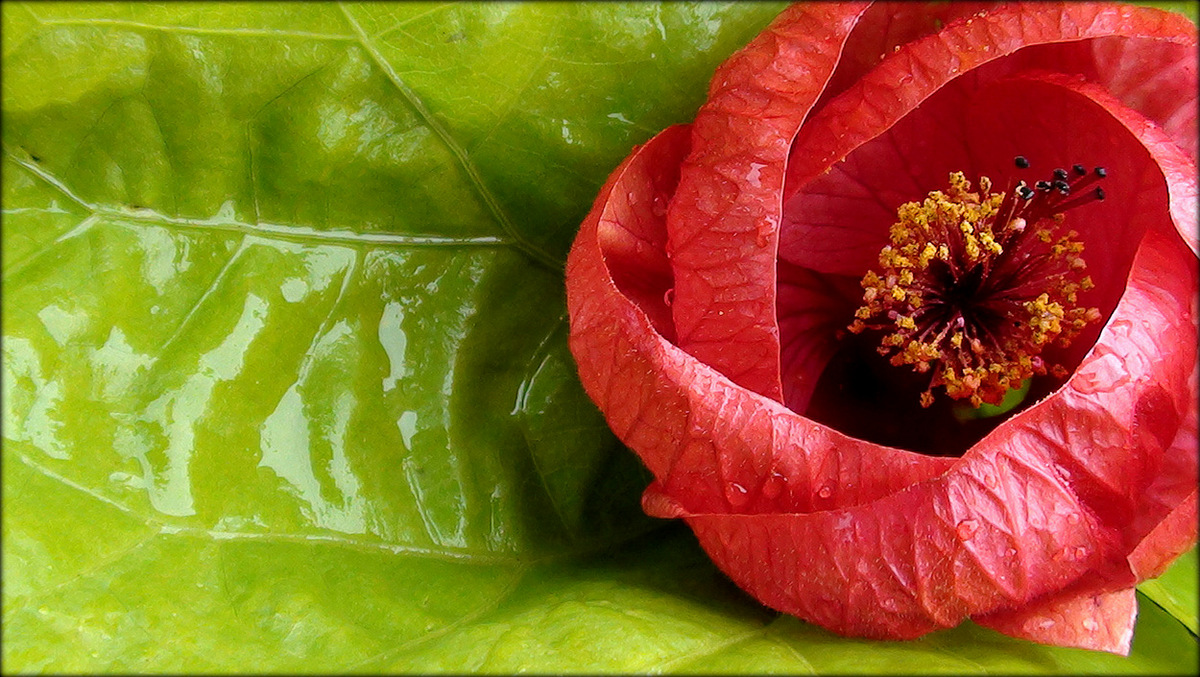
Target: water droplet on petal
{"x":967,"y":528}
{"x":990,"y":481}
{"x":773,"y":486}
{"x":825,"y":492}
{"x":669,"y":296}
{"x":1090,"y":625}
{"x":762,"y":238}
{"x":737,"y":495}
{"x":1044,"y":623}
{"x":659,"y":206}
{"x":1010,"y":552}
{"x":1080,"y":553}
{"x":1073,"y":518}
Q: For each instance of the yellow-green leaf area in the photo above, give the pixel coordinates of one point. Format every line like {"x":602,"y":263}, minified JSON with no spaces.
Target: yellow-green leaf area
{"x":286,"y":385}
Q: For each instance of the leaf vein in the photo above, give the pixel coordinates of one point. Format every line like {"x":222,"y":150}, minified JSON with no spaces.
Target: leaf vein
{"x":530,"y":249}
{"x":398,"y":25}
{"x":483,"y":610}
{"x":196,"y":30}
{"x":50,"y":179}
{"x":212,"y":286}
{"x":78,"y":487}
{"x":708,"y":650}
{"x":18,"y":267}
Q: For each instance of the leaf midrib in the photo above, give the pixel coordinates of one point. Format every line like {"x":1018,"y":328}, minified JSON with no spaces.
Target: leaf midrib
{"x":519,"y":240}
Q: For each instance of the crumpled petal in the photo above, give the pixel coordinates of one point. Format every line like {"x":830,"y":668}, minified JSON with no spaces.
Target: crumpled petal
{"x":724,"y":219}
{"x":731,"y":448}
{"x":1102,"y":621}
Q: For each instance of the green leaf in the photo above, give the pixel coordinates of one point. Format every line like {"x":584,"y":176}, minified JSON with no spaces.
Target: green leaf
{"x":286,"y":385}
{"x":1175,"y":590}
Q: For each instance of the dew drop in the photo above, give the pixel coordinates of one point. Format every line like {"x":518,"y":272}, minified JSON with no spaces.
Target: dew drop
{"x":659,"y":206}
{"x":753,"y":176}
{"x":737,"y":495}
{"x":762,"y":238}
{"x":669,"y":296}
{"x":825,"y":492}
{"x":1073,"y":518}
{"x":773,"y":486}
{"x":1071,"y":554}
{"x":1090,"y":625}
{"x":1011,"y":552}
{"x":990,"y":481}
{"x":967,"y":528}
{"x":1044,"y":623}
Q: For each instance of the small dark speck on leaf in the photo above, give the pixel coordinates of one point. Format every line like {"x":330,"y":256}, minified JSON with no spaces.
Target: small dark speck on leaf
{"x":456,"y":36}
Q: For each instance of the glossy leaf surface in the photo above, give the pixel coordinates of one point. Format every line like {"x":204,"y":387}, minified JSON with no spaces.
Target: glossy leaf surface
{"x":286,"y":385}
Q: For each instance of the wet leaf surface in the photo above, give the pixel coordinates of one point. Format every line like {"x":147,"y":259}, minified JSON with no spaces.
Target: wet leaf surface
{"x":286,"y":385}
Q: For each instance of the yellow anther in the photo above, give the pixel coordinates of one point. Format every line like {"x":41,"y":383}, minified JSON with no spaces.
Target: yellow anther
{"x":981,"y":339}
{"x":927,"y":255}
{"x":989,"y":243}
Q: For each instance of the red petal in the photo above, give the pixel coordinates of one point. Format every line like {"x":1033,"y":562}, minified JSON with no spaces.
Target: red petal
{"x":995,"y":531}
{"x":1166,"y":521}
{"x":1155,"y":78}
{"x":884,"y":28}
{"x":714,"y":445}
{"x":1101,"y":621}
{"x":724,"y":220}
{"x":1172,"y":537}
{"x":904,"y":80}
{"x":1054,"y":119}
{"x":812,"y":309}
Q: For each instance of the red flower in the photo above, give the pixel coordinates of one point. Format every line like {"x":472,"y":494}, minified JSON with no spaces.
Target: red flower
{"x":711,"y":287}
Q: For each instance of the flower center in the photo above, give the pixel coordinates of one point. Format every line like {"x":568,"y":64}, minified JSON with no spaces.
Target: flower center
{"x":975,"y":284}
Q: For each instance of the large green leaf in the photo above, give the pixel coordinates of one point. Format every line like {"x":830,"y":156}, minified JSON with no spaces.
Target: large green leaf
{"x":286,"y":385}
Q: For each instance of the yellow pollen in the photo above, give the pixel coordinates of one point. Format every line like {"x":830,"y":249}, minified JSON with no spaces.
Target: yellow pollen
{"x":938,"y":297}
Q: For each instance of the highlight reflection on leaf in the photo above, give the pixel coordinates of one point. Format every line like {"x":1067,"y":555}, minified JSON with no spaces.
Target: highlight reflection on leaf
{"x":286,"y":385}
